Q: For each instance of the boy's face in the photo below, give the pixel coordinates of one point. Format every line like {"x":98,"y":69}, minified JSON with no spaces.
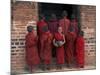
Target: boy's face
{"x":29,"y":28}
{"x":60,"y":29}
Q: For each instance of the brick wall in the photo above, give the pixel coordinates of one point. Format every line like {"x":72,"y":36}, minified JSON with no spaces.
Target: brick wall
{"x":23,"y":14}
{"x":88,"y":24}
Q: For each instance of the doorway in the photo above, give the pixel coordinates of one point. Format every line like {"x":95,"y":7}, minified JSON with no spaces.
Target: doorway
{"x":48,"y":8}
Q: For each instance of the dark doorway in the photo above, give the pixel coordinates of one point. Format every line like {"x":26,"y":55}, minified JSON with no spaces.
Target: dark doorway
{"x":48,"y":8}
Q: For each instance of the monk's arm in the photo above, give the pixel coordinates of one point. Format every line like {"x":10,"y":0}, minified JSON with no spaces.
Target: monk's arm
{"x":54,"y":42}
{"x":64,"y":39}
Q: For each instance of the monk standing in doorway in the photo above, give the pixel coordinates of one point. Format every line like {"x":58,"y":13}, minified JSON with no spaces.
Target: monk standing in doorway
{"x":74,"y":23}
{"x":40,"y":24}
{"x":53,"y":24}
{"x":64,"y":23}
{"x":53,"y":27}
{"x":32,"y":57}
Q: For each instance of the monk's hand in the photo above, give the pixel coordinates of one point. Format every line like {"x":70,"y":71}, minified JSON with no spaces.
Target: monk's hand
{"x":61,"y":43}
{"x":56,"y":45}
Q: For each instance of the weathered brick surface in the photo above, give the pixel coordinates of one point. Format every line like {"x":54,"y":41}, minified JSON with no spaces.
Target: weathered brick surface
{"x":88,"y":23}
{"x":23,"y":14}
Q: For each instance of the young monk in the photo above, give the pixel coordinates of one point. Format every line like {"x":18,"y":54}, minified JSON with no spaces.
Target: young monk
{"x":46,"y":48}
{"x":53,"y":24}
{"x":40,"y":25}
{"x":70,"y":46}
{"x":59,"y":41}
{"x":32,"y":57}
{"x":64,"y":22}
{"x":74,"y":23}
{"x":80,"y":50}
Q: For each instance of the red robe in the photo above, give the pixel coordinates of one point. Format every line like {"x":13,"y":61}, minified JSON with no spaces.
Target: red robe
{"x":46,"y":47}
{"x":80,"y":51}
{"x":32,"y":57}
{"x":70,"y":46}
{"x":74,"y":23}
{"x":40,"y":26}
{"x":65,"y":24}
{"x":59,"y":50}
{"x":53,"y":25}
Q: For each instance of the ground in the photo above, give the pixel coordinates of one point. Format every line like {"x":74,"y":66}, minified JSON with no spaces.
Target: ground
{"x":54,"y":69}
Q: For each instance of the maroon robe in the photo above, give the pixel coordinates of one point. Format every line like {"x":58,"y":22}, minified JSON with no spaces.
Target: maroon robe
{"x":46,"y":47}
{"x":74,"y":23}
{"x":65,"y":24}
{"x":53,"y":25}
{"x":59,"y":50}
{"x":70,"y":46}
{"x":80,"y":51}
{"x":40,"y":25}
{"x":32,"y":57}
